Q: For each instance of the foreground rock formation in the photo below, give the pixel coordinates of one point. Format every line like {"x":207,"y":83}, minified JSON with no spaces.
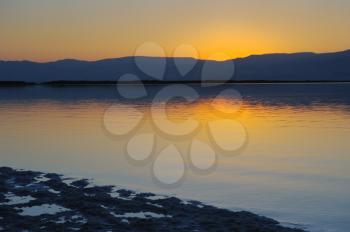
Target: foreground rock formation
{"x":35,"y":201}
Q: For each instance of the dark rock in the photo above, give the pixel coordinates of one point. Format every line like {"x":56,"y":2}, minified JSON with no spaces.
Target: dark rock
{"x":93,"y":209}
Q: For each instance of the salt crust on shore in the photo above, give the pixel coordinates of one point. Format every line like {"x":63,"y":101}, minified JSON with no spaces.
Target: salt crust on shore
{"x":143,"y":215}
{"x":16,"y":200}
{"x":42,"y":209}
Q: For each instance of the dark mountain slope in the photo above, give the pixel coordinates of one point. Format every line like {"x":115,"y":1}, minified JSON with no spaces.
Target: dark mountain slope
{"x":271,"y":67}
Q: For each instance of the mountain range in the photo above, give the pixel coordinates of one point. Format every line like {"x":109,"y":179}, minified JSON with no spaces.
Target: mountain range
{"x":270,"y":67}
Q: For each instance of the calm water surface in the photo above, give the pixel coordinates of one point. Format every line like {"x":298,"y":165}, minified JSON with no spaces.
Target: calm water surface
{"x":294,"y":167}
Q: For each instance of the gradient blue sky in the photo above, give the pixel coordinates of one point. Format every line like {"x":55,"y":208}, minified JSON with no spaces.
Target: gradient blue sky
{"x":45,"y":30}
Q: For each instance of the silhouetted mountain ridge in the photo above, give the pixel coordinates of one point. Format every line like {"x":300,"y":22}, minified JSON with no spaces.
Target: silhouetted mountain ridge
{"x":269,"y":67}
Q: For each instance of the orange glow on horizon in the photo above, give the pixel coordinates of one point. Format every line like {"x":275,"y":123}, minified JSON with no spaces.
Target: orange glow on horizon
{"x":94,"y":30}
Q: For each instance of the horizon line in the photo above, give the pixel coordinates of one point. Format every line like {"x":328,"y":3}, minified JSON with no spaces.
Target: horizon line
{"x":171,"y":57}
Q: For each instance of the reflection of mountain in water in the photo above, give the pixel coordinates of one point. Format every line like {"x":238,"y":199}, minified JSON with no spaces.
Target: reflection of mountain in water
{"x":294,"y":95}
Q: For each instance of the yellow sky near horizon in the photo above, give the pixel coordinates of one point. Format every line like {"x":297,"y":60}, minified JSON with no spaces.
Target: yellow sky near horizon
{"x":45,"y":30}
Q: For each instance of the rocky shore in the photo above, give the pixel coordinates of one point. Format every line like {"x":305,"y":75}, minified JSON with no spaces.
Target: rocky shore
{"x":35,"y":201}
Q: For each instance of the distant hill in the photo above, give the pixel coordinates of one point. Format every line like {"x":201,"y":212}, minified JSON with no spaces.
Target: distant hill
{"x":270,"y":67}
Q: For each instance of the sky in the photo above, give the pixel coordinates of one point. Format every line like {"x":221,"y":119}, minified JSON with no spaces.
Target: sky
{"x":47,"y":30}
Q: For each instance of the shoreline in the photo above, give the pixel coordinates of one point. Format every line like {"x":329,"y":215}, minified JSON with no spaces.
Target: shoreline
{"x":63,"y":83}
{"x":47,"y":201}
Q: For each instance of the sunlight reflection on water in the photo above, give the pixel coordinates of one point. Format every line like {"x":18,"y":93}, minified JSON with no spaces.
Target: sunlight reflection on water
{"x":294,"y":167}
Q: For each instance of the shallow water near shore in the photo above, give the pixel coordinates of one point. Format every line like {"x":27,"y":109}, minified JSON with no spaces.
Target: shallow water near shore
{"x":293,"y":168}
